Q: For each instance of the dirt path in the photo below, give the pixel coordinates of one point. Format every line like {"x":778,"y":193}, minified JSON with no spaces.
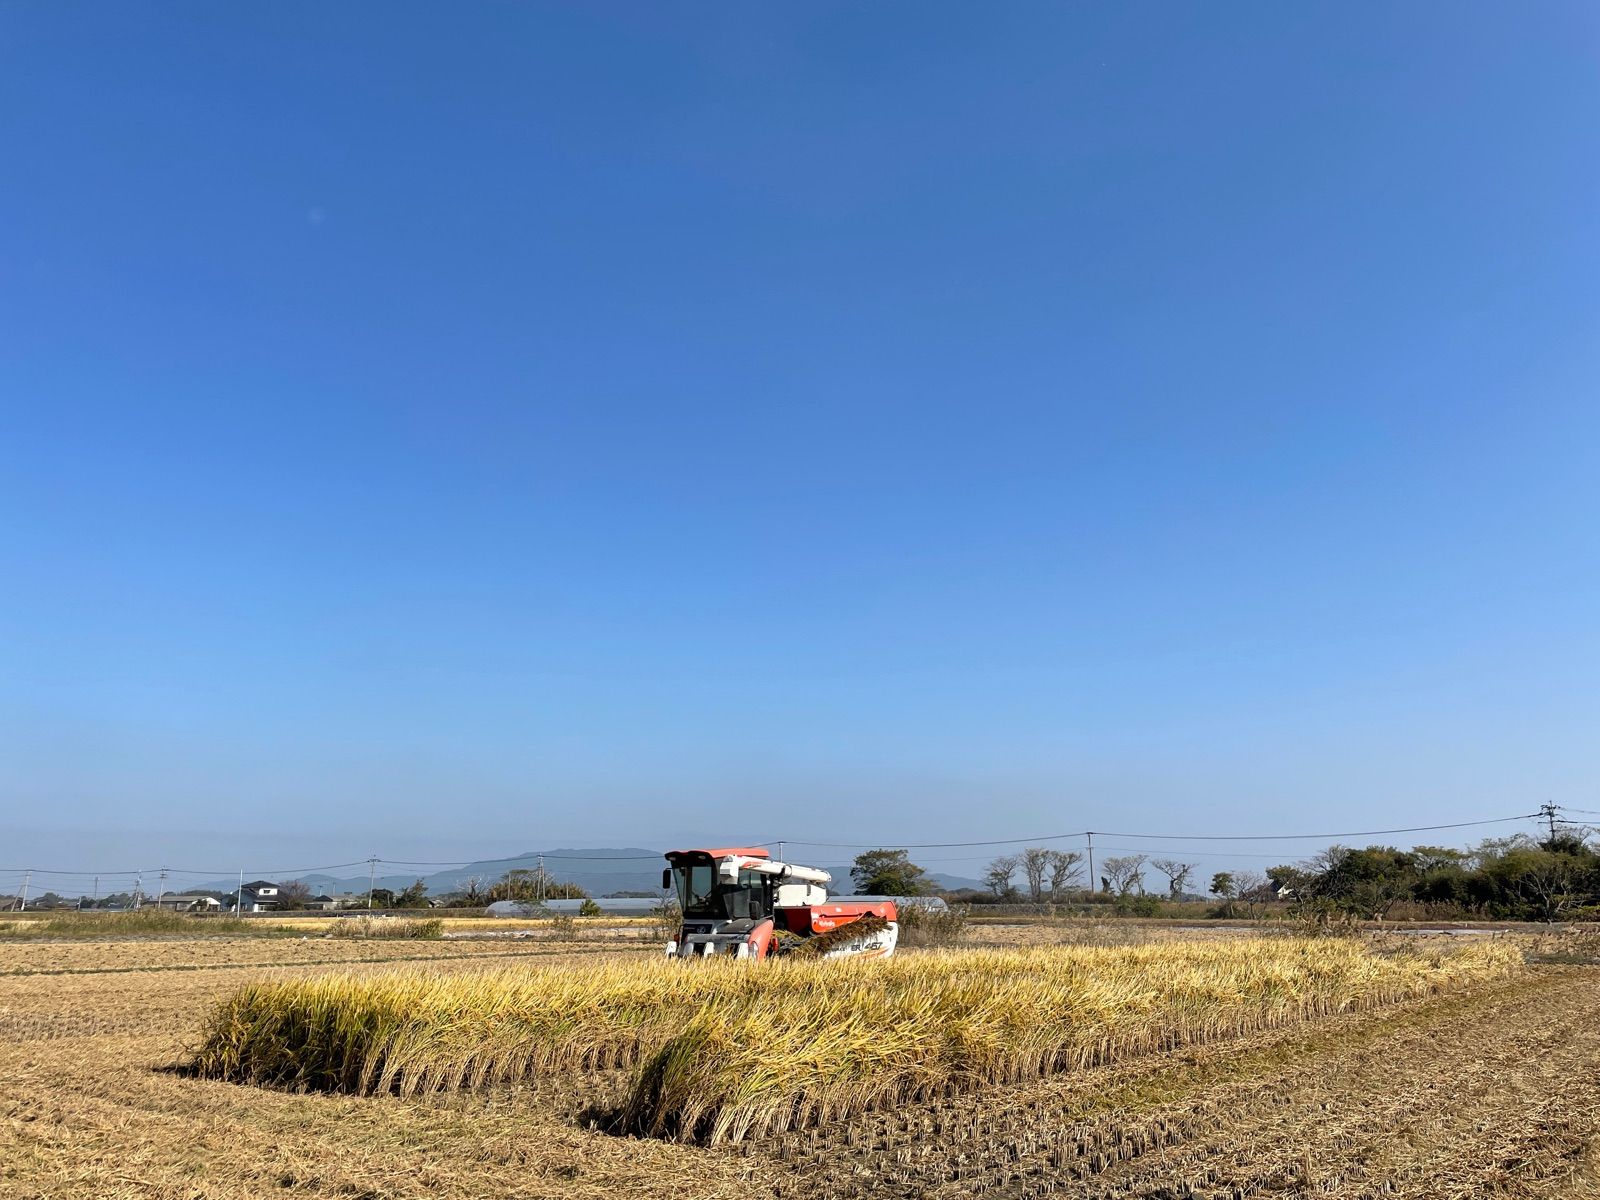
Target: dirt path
{"x":1497,"y":1094}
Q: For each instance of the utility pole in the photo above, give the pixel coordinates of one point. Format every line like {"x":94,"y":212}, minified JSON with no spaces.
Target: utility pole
{"x":27,"y":878}
{"x":1093,"y":887}
{"x":161,"y":887}
{"x":372,"y":878}
{"x":541,"y":879}
{"x":238,"y":899}
{"x":780,"y":851}
{"x":1548,"y":812}
{"x":138,"y":890}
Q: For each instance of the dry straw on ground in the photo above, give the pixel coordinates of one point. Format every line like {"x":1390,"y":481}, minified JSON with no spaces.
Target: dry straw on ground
{"x":394,"y":928}
{"x":727,"y":1050}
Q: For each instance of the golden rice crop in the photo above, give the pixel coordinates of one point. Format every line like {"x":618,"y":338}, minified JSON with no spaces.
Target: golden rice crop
{"x":938,"y":1024}
{"x":728,"y":1049}
{"x":425,"y":1030}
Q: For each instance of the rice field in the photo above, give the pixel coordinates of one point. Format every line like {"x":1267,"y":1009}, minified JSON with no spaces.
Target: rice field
{"x":1481,"y":1086}
{"x":728,"y":1051}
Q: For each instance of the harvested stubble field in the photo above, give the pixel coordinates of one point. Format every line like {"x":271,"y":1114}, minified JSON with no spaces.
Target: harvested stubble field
{"x":1482,"y":1083}
{"x":246,"y":954}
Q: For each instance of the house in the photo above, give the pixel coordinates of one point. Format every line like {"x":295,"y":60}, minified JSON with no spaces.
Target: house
{"x":259,"y":895}
{"x":337,"y":900}
{"x":192,"y":902}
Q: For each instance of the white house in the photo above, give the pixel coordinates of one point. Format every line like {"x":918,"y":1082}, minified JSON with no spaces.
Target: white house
{"x":259,"y":895}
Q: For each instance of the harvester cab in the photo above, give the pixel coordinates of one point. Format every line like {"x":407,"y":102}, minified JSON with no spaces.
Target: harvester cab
{"x":738,"y":901}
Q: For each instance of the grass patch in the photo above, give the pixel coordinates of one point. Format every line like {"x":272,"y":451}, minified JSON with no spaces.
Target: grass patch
{"x":1577,"y":946}
{"x":392,"y":928}
{"x":143,"y":923}
{"x":932,"y":927}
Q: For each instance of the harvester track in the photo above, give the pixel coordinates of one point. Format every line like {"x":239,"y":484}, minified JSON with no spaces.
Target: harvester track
{"x":1494,"y":1093}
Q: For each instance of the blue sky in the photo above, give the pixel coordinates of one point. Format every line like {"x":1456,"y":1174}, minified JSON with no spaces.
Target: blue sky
{"x":439,"y":431}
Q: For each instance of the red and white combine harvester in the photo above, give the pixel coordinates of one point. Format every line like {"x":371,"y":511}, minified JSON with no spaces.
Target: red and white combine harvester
{"x":738,"y":901}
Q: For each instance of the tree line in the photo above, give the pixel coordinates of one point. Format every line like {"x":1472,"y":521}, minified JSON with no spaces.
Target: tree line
{"x":1512,"y":878}
{"x":1037,"y":874}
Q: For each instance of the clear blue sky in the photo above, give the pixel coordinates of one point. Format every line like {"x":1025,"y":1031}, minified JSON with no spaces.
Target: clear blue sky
{"x":440,"y":430}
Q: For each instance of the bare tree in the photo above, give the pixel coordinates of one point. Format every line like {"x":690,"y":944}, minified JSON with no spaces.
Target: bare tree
{"x":1065,"y":867}
{"x":1253,"y":888}
{"x":1035,"y":862}
{"x":1325,"y":861}
{"x":1177,"y":874}
{"x":998,"y":876}
{"x":1549,"y":883}
{"x":1126,"y":873}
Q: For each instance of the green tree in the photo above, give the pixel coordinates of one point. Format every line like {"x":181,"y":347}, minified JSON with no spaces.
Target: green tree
{"x":415,"y":896}
{"x":1287,"y":879}
{"x":1434,"y":858}
{"x":1518,"y":876}
{"x":1366,"y":883}
{"x":533,"y":886}
{"x":1544,"y":884}
{"x":1222,"y":885}
{"x":889,"y":873}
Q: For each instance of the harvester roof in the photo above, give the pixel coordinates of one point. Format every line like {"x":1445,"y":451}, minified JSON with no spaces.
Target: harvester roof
{"x":727,"y":852}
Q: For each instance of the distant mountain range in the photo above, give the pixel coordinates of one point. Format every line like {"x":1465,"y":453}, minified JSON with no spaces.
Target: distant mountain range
{"x":598,"y":871}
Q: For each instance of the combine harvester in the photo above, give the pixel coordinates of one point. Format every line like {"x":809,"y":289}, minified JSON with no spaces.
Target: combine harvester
{"x":738,"y":901}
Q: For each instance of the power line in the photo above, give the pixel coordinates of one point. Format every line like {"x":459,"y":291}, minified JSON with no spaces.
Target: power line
{"x":473,"y":862}
{"x":188,"y":870}
{"x":136,"y":874}
{"x":42,"y":871}
{"x":979,"y":859}
{"x":295,"y":870}
{"x":1284,"y":837}
{"x":1190,"y":850}
{"x":1168,"y":837}
{"x":1053,"y":837}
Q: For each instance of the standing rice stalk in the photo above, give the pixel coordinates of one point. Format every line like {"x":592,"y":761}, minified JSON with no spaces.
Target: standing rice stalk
{"x":726,"y":1050}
